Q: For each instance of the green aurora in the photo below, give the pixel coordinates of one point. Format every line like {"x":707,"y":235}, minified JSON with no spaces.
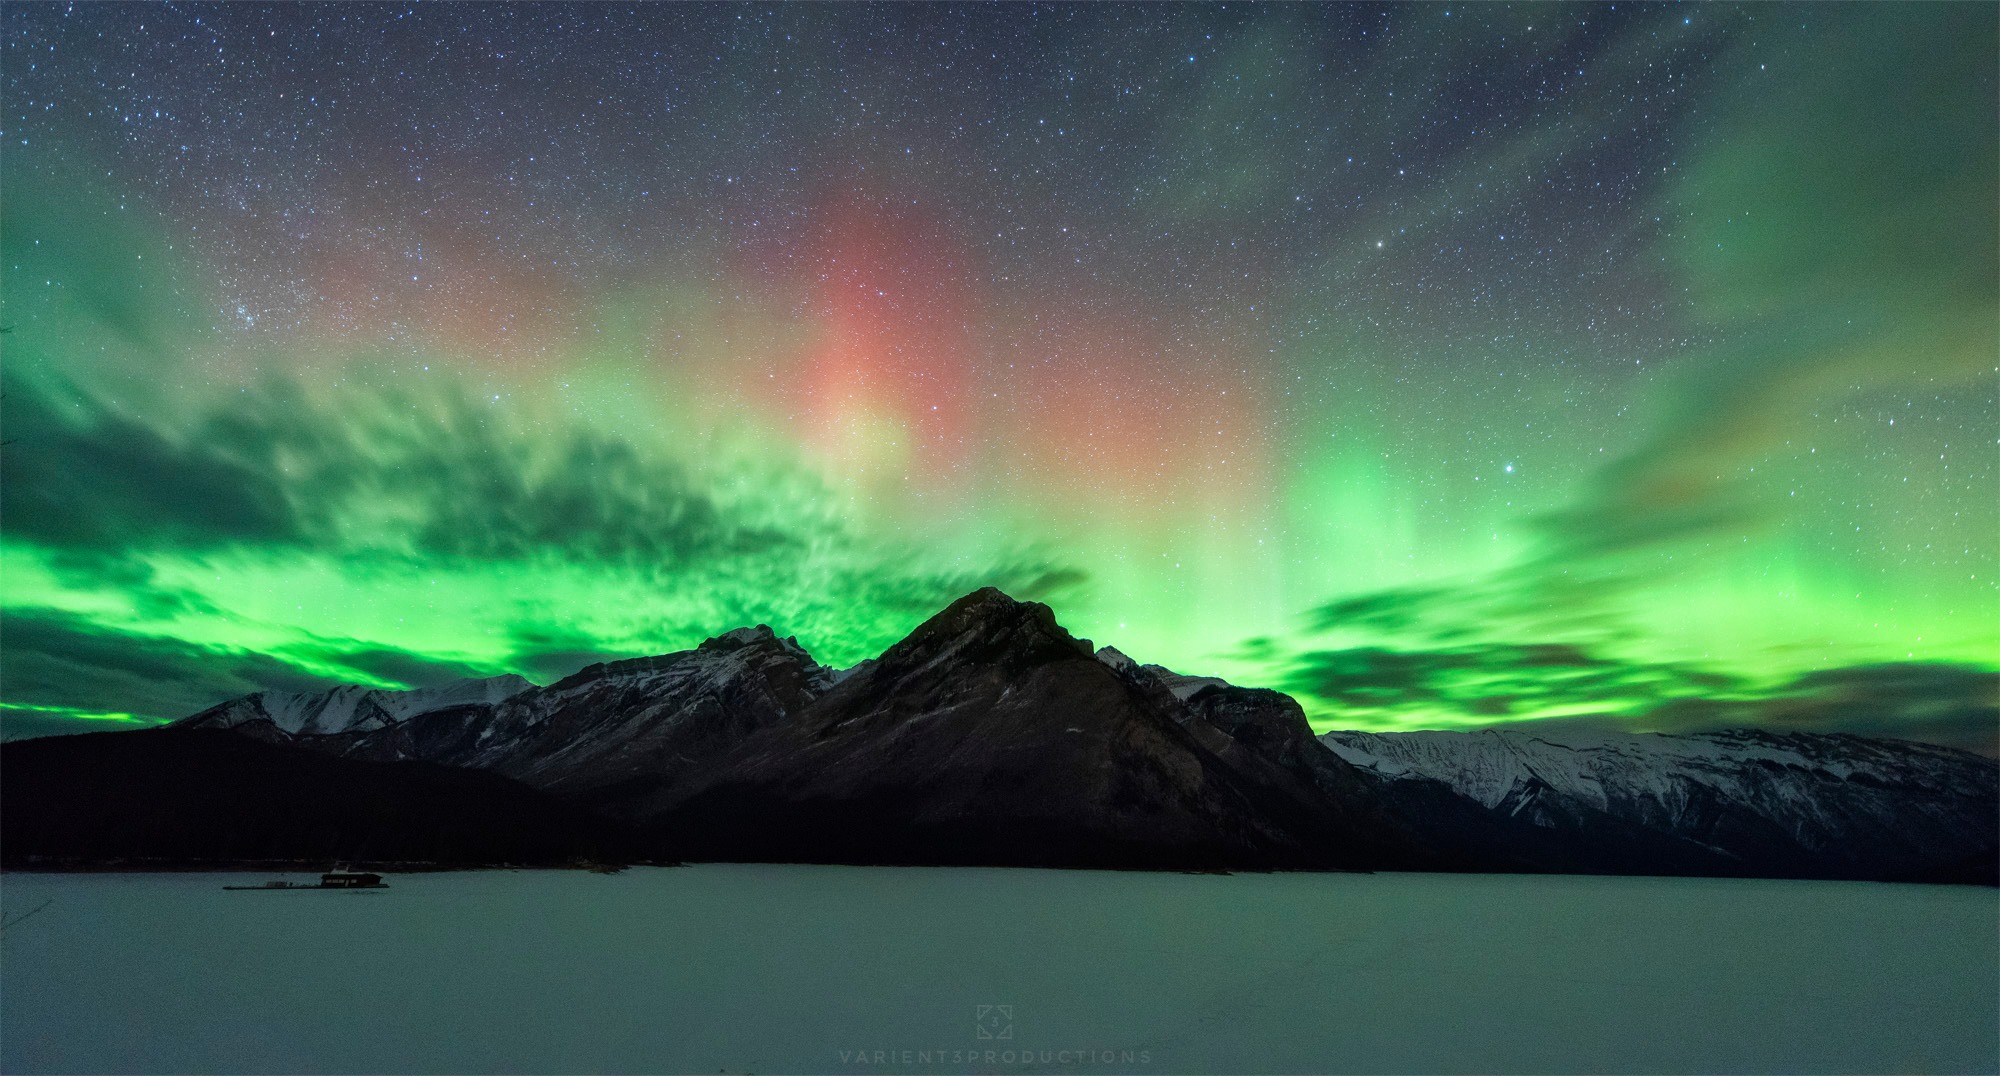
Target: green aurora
{"x":1666,"y":397}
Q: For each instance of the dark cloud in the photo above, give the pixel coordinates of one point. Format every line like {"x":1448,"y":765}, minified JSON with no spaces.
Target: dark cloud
{"x":27,"y":723}
{"x":1049,"y":584}
{"x":1371,"y":677}
{"x":399,"y":666}
{"x":546,"y":654}
{"x":1953,"y":704}
{"x":548,"y":666}
{"x":461,"y":482}
{"x":436,"y":478}
{"x":50,"y":658}
{"x":901,"y":588}
{"x":84,"y":477}
{"x":54,"y":663}
{"x":1491,"y":680}
{"x":97,"y":481}
{"x":1396,"y":610}
{"x":136,"y":581}
{"x":1949,"y":703}
{"x":1552,"y":655}
{"x":598,"y":500}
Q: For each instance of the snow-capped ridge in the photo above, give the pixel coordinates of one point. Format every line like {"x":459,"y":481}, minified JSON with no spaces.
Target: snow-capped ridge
{"x":354,"y":707}
{"x":1184,"y":687}
{"x":1817,"y":789}
{"x":1487,"y":764}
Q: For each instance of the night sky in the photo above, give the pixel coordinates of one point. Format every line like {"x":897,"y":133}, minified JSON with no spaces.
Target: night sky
{"x":1443,"y":365}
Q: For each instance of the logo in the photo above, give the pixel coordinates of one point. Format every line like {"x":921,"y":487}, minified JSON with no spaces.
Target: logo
{"x":993,"y":1021}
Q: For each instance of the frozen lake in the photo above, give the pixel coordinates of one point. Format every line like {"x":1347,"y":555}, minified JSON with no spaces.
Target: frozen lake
{"x":774,"y":969}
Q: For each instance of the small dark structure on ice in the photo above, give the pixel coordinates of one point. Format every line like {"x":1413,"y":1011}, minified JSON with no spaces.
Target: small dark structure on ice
{"x":337,"y":878}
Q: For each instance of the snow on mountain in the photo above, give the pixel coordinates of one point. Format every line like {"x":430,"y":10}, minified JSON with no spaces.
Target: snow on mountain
{"x":1115,"y":658}
{"x":1747,"y":794}
{"x":641,"y":718}
{"x":352,"y":707}
{"x":1182,"y":687}
{"x":1600,"y":768}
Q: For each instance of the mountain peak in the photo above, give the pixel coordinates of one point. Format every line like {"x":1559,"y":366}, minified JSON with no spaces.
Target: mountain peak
{"x":504,"y":685}
{"x":988,"y":621}
{"x":990,"y":608}
{"x":758,"y":635}
{"x":991,"y":599}
{"x":741,"y":637}
{"x":992,"y":603}
{"x":1115,"y":658}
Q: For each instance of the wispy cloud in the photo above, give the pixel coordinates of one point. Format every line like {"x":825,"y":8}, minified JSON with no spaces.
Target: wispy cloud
{"x":1950,"y":703}
{"x":1839,"y":240}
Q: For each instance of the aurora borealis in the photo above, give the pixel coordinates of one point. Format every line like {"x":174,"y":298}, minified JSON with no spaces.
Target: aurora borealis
{"x":1443,"y":365}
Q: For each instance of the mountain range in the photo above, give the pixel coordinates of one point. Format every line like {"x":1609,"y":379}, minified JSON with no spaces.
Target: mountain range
{"x":989,"y":735}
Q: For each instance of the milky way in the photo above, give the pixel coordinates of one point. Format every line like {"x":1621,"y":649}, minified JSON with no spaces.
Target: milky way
{"x":1441,"y":365}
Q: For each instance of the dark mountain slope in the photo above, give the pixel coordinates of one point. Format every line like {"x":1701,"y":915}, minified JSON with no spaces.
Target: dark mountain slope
{"x":990,"y":735}
{"x":209,"y":795}
{"x":644,"y":719}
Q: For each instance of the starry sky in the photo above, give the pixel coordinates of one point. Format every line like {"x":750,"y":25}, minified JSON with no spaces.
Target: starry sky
{"x":1443,"y":365}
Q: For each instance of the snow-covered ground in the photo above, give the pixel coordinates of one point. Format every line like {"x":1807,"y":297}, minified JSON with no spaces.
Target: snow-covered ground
{"x":775,"y":969}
